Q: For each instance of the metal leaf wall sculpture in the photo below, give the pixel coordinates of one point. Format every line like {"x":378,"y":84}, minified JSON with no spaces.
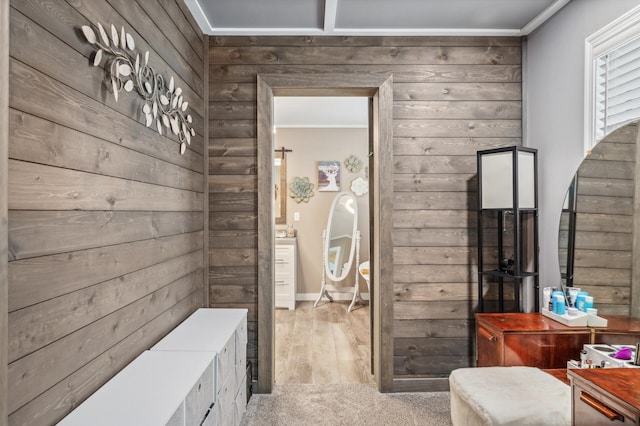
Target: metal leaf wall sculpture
{"x":163,"y":103}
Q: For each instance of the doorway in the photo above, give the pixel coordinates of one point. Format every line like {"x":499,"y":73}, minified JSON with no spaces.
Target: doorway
{"x":380,"y":175}
{"x":325,"y":140}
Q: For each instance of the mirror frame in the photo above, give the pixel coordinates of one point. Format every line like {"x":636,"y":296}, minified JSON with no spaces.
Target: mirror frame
{"x":634,"y":302}
{"x":282,"y":193}
{"x":327,"y":245}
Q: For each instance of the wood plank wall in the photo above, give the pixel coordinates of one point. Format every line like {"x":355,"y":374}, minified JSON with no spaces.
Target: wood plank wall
{"x":604,"y":222}
{"x":4,"y":176}
{"x":452,"y":96}
{"x":105,"y":216}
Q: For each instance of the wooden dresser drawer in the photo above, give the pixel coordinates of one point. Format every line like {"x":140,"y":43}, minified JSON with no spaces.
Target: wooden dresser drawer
{"x":605,"y":396}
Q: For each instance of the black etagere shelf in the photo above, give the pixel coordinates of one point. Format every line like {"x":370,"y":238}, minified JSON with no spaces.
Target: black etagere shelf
{"x":507,"y":185}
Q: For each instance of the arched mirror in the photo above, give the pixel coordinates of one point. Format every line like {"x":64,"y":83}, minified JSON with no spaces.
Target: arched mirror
{"x":340,"y":245}
{"x":600,"y":223}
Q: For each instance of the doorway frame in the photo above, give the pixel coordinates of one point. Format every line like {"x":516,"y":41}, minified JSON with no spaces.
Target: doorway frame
{"x":380,"y":88}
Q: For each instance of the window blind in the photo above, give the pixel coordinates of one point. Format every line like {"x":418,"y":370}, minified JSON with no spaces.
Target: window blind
{"x":617,"y":80}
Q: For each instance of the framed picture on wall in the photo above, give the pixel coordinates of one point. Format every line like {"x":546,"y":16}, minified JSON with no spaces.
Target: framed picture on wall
{"x":328,"y":176}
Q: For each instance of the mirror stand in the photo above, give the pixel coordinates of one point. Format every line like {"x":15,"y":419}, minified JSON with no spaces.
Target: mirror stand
{"x":325,"y":288}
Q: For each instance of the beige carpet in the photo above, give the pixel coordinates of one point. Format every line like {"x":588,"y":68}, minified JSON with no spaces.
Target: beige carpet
{"x":345,"y":404}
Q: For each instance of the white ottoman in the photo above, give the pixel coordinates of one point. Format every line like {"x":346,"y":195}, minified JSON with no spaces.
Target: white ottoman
{"x":515,"y":396}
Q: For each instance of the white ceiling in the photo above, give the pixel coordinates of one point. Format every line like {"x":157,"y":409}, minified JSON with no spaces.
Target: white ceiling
{"x":372,"y":17}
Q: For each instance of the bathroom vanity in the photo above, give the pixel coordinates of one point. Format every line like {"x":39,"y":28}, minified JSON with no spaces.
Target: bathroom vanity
{"x":285,"y":283}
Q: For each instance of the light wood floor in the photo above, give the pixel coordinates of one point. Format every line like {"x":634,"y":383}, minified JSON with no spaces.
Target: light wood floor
{"x":323,"y":345}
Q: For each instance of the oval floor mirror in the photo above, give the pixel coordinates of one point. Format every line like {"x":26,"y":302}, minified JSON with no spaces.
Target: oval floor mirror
{"x":340,"y":247}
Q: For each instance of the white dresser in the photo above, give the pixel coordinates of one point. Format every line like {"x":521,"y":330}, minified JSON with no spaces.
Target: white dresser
{"x":157,"y":388}
{"x":286,"y":273}
{"x":222,"y":332}
{"x":195,"y":375}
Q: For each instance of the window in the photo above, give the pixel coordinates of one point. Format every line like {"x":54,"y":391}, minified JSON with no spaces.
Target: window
{"x":612,"y":77}
{"x":617,"y":92}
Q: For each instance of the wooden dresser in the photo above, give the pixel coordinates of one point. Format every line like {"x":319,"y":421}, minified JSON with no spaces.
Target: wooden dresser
{"x":531,"y":339}
{"x":605,"y":396}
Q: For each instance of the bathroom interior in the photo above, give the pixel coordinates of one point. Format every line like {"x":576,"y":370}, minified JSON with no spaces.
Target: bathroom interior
{"x":326,"y":153}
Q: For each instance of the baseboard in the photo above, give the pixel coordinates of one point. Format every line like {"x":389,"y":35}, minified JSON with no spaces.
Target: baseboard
{"x":311,"y":297}
{"x":421,"y":385}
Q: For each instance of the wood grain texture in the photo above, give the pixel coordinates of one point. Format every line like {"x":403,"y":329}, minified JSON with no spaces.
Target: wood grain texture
{"x":4,"y":180}
{"x":427,"y":73}
{"x":336,"y":351}
{"x":38,"y":325}
{"x":450,"y":97}
{"x":38,"y":371}
{"x":31,"y":280}
{"x":366,"y":55}
{"x":27,"y":46}
{"x":47,"y":143}
{"x":265,"y":246}
{"x":28,"y":83}
{"x":106,"y":219}
{"x":205,"y":158}
{"x":38,"y":233}
{"x":59,"y":400}
{"x":63,"y":19}
{"x":39,"y":187}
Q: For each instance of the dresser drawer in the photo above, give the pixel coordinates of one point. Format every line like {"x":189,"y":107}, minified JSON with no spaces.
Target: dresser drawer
{"x":240,"y":401}
{"x":225,"y":410}
{"x":284,"y":255}
{"x":241,"y":352}
{"x":199,"y":399}
{"x":283,"y":285}
{"x":226,"y":362}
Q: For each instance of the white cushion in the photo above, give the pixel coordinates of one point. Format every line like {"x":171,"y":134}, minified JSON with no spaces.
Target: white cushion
{"x":515,"y":396}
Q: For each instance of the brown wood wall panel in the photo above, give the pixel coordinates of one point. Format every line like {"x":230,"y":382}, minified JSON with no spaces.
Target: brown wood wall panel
{"x":38,"y":187}
{"x":4,"y":149}
{"x":340,"y":55}
{"x":26,"y":47}
{"x":60,"y":17}
{"x":428,"y":73}
{"x":41,"y":141}
{"x":452,"y":97}
{"x":106,"y":218}
{"x":38,"y":325}
{"x":39,"y":233}
{"x":27,"y":84}
{"x":57,"y":401}
{"x":448,"y":146}
{"x":46,"y":367}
